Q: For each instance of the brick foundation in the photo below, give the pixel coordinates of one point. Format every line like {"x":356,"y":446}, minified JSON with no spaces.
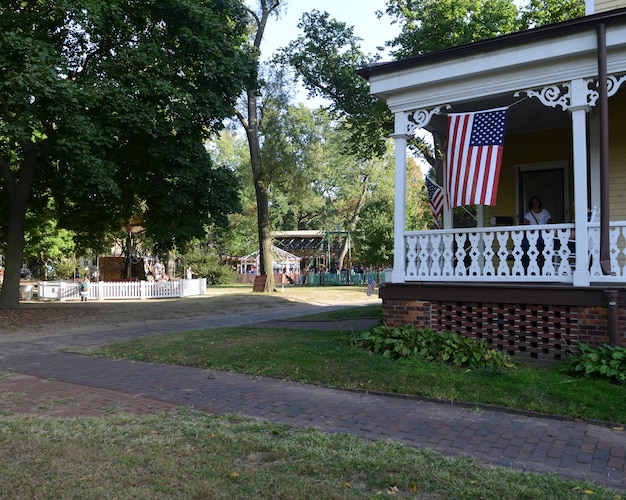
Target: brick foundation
{"x":535,"y":332}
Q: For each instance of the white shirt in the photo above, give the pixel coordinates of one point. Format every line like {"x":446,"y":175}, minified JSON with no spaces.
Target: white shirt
{"x":541,"y":218}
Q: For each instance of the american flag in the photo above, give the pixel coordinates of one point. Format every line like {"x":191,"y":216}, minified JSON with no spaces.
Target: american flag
{"x":435,"y":196}
{"x":475,"y":144}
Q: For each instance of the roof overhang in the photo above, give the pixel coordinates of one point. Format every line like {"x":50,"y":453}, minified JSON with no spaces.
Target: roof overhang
{"x":496,"y":68}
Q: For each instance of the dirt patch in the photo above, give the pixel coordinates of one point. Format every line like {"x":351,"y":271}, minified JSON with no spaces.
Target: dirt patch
{"x":50,"y":317}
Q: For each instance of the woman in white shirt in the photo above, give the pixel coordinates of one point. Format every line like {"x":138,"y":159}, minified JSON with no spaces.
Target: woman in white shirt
{"x":537,"y":214}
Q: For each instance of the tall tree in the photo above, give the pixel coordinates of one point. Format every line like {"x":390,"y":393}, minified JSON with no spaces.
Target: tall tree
{"x":295,"y":139}
{"x":107,"y":104}
{"x":428,"y":25}
{"x":250,"y":119}
{"x":327,"y":54}
{"x":325,"y":57}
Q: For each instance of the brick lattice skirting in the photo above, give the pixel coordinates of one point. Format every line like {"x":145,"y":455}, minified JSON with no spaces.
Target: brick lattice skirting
{"x":543,"y":331}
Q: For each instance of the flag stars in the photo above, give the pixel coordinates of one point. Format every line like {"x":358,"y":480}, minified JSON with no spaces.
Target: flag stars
{"x":488,"y":128}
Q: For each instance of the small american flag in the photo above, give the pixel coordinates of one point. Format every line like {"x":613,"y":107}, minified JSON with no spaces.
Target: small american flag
{"x":435,"y":196}
{"x":475,"y":145}
{"x":370,"y":286}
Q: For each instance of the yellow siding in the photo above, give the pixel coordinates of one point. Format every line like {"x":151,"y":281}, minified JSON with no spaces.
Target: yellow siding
{"x":550,"y":145}
{"x":555,"y":145}
{"x":617,"y":156}
{"x":604,"y":5}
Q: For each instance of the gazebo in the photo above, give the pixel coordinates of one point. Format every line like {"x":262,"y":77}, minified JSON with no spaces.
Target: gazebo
{"x":286,"y":266}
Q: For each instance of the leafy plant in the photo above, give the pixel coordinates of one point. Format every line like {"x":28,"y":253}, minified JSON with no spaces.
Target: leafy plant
{"x":439,"y":347}
{"x":209,"y":266}
{"x":607,"y":361}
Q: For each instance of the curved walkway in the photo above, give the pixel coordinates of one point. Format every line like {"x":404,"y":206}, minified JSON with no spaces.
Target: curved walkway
{"x":573,"y":449}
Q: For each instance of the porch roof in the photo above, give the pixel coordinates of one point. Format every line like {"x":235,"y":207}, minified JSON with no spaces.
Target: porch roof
{"x":492,"y":70}
{"x":546,"y":32}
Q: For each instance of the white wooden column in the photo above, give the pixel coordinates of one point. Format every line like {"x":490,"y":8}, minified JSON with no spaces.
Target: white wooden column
{"x":579,"y":108}
{"x":399,"y":212}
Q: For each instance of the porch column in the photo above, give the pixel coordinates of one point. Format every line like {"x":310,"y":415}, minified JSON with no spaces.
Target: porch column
{"x":579,"y":108}
{"x":399,"y":212}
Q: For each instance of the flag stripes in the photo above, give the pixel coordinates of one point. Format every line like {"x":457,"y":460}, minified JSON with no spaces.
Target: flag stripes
{"x":435,"y":197}
{"x":475,"y":145}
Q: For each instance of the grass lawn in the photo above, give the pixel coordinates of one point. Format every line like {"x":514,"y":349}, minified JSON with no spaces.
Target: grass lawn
{"x":328,"y":358}
{"x":189,"y":454}
{"x":193,"y":455}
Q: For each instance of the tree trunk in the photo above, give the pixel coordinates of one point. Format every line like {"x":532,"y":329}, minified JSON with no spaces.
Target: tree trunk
{"x":19,"y":192}
{"x":266,"y":266}
{"x":252,"y":126}
{"x":266,"y":262}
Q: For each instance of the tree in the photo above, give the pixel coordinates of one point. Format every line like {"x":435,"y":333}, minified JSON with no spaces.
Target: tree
{"x":251,"y":120}
{"x":327,"y":55}
{"x":45,"y":241}
{"x":241,"y":235}
{"x":295,"y":141}
{"x":107,"y":104}
{"x":428,"y":25}
{"x":542,"y":12}
{"x":373,"y":231}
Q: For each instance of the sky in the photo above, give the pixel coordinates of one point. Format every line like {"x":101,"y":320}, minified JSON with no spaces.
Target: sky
{"x":361,"y":14}
{"x":358,"y":13}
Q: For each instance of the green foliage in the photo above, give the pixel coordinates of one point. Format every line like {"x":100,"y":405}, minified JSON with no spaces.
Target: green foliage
{"x":429,"y":25}
{"x":325,"y":57}
{"x":607,"y":362}
{"x":373,"y":235}
{"x":438,"y":347}
{"x":542,"y":12}
{"x":207,"y":265}
{"x":62,"y":270}
{"x":106,"y":107}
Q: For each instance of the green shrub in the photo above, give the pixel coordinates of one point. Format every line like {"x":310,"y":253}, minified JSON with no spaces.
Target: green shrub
{"x":606,"y":361}
{"x":209,"y":266}
{"x":440,"y":347}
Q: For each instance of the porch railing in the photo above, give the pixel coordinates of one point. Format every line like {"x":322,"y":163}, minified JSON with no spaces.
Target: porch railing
{"x":544,"y":253}
{"x":122,"y":290}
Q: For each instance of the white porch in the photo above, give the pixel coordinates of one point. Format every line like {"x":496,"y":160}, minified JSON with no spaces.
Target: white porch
{"x":525,"y":289}
{"x":551,"y":79}
{"x":529,"y":254}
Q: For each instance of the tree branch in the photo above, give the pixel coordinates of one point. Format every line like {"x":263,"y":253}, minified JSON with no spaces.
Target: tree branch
{"x":242,"y":119}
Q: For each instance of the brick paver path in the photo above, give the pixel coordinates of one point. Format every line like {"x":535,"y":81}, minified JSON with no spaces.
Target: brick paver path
{"x":93,"y":386}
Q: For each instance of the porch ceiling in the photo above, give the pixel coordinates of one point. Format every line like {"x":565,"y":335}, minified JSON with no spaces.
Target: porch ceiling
{"x":525,"y":114}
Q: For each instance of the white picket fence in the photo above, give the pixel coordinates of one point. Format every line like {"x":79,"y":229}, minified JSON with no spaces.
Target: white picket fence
{"x":122,"y":290}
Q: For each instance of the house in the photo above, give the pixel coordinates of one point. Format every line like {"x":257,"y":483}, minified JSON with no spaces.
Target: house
{"x":529,"y":292}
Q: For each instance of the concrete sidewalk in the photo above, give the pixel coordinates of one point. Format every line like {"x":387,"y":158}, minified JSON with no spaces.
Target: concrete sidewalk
{"x":573,"y":449}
